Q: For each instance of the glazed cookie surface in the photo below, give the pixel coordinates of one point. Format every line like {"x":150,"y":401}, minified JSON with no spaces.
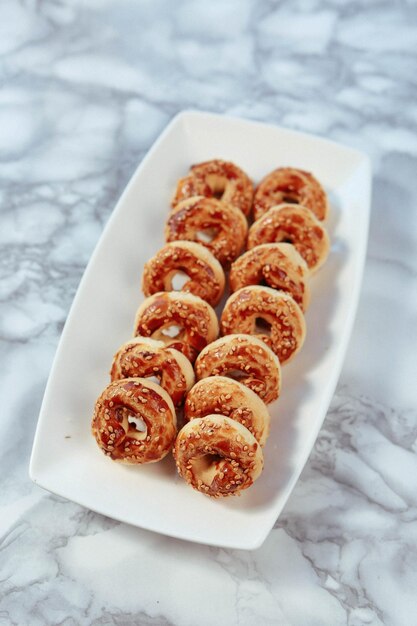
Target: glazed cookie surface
{"x":273,"y":316}
{"x":215,"y":224}
{"x":244,"y":358}
{"x":181,"y":320}
{"x":226,"y":396}
{"x":289,"y":185}
{"x":134,"y":421}
{"x":276,"y":265}
{"x":217,"y":456}
{"x":293,"y":224}
{"x":217,"y":179}
{"x":201,"y":272}
{"x":143,"y":357}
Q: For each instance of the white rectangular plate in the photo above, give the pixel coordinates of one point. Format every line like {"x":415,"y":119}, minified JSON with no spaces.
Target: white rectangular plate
{"x":65,"y":458}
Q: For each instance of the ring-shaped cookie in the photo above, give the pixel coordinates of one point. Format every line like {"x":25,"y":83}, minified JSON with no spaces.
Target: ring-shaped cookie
{"x":143,"y":357}
{"x":273,"y":316}
{"x":246,"y":359}
{"x":217,"y":225}
{"x":292,"y":223}
{"x":218,"y":456}
{"x":217,"y":179}
{"x":289,"y":185}
{"x":201,"y":271}
{"x":276,"y":265}
{"x":134,"y":421}
{"x":224,"y":396}
{"x":181,"y":320}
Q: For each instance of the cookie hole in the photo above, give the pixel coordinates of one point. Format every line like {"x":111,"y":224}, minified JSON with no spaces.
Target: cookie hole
{"x":136,"y":424}
{"x":262,"y":326}
{"x":217,"y":185}
{"x":123,"y":414}
{"x":171,"y":331}
{"x":235,"y":374}
{"x":286,"y":240}
{"x":290,"y":199}
{"x":178,"y":280}
{"x":207,"y":466}
{"x":154,"y":379}
{"x":206,"y":236}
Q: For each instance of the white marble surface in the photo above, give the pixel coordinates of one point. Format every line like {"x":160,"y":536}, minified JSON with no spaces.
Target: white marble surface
{"x":86,"y":88}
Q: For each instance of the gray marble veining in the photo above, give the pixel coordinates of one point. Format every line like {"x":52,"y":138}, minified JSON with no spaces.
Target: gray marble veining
{"x":86,"y":88}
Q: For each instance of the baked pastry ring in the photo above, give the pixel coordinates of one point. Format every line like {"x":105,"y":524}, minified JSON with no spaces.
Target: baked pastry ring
{"x":294,"y":224}
{"x":191,"y":260}
{"x":276,"y":265}
{"x":134,"y":421}
{"x":181,"y":320}
{"x":272,"y":315}
{"x":217,"y":179}
{"x":217,"y":225}
{"x":144,"y":357}
{"x":244,"y":358}
{"x":225,"y":396}
{"x":218,"y":456}
{"x":289,"y":185}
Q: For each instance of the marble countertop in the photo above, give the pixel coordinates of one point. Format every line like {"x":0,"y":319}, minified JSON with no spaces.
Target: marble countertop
{"x":86,"y":88}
